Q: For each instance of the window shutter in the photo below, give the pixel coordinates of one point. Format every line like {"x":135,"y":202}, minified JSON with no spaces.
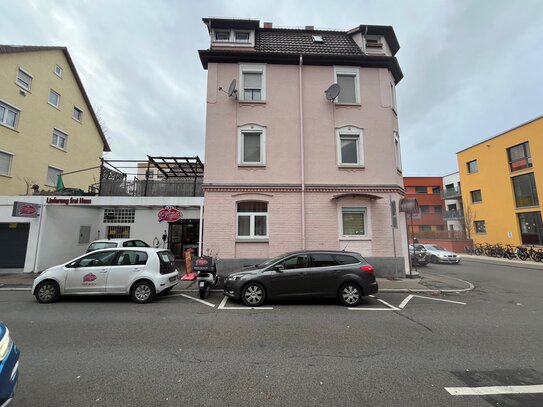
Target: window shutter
{"x":5,"y":160}
{"x":252,"y":80}
{"x":348,"y":91}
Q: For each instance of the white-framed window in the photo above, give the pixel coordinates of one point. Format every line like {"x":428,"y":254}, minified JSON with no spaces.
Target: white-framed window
{"x":24,"y":79}
{"x":252,"y":82}
{"x":350,"y":146}
{"x":58,"y":71}
{"x":397,"y":151}
{"x":242,"y":36}
{"x":54,"y":98}
{"x":77,"y":114}
{"x":5,"y":162}
{"x":354,"y":222}
{"x":9,"y":115}
{"x":59,"y":139}
{"x":348,"y":79}
{"x":252,"y":220}
{"x":52,"y":176}
{"x":252,"y":145}
{"x":222,"y":35}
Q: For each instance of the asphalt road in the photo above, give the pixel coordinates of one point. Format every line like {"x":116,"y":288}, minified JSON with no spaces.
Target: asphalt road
{"x":180,"y":352}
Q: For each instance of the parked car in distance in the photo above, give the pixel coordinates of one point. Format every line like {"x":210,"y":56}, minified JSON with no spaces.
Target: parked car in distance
{"x":9,"y":366}
{"x":419,"y":255}
{"x":111,"y":243}
{"x":439,"y":254}
{"x":335,"y":274}
{"x":139,"y":272}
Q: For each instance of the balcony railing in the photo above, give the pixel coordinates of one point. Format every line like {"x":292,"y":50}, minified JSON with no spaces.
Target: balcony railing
{"x":173,"y":187}
{"x":453,"y":215}
{"x":451,"y":193}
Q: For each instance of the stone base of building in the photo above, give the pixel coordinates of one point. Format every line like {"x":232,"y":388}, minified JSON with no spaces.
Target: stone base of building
{"x":385,"y":267}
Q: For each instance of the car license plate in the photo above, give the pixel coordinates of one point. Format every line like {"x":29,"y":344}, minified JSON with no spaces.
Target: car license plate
{"x":202,"y":284}
{"x":172,"y":279}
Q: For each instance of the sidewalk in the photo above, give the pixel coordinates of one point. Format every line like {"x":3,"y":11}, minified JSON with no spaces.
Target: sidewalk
{"x":498,"y":260}
{"x":429,"y":282}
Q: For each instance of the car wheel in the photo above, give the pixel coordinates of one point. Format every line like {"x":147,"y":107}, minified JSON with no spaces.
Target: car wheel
{"x":433,"y":259}
{"x":253,"y":295}
{"x":47,"y":292}
{"x":350,"y":294}
{"x":142,"y":292}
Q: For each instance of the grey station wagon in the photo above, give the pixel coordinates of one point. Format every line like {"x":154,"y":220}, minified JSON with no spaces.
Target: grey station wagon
{"x":344,"y":275}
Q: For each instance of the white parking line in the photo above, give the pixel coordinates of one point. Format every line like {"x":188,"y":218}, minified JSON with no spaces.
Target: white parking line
{"x":409,"y":297}
{"x":191,"y":298}
{"x":223,"y":303}
{"x":490,"y":390}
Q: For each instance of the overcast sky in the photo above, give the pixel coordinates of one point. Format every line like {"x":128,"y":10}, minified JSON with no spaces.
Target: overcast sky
{"x":472,"y":69}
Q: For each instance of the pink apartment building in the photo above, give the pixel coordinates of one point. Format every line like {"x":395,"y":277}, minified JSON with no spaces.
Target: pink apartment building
{"x":290,"y":166}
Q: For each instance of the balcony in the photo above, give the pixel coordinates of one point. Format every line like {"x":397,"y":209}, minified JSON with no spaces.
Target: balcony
{"x":453,"y":215}
{"x":451,"y":193}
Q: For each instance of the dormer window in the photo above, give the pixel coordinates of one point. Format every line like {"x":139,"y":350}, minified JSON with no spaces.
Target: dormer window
{"x":242,"y":36}
{"x":233,"y":37}
{"x":374,"y":42}
{"x":222,"y":36}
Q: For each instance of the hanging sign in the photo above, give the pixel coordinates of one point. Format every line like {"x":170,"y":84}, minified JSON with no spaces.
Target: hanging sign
{"x":25,"y":210}
{"x":169,"y":214}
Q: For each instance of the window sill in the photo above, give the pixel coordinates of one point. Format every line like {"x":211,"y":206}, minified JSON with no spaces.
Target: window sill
{"x":58,"y":148}
{"x":249,"y":240}
{"x":79,"y":121}
{"x":52,"y":105}
{"x":6,"y":175}
{"x":348,"y":104}
{"x":354,"y":237}
{"x":251,"y":165}
{"x":520,"y":208}
{"x":252,"y":102}
{"x":9,"y":127}
{"x":23,"y":88}
{"x":351,"y":166}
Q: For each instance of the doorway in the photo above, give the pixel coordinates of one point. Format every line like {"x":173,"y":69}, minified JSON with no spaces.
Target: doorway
{"x":14,"y":238}
{"x":184,"y":234}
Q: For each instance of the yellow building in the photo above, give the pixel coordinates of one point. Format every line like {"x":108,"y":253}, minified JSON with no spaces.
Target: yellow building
{"x":47,"y":124}
{"x":500,"y":179}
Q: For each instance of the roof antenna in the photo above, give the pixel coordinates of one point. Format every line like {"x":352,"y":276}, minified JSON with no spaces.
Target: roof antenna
{"x":348,"y":243}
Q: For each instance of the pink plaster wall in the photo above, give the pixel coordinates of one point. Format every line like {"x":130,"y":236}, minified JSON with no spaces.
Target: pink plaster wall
{"x":280,"y":116}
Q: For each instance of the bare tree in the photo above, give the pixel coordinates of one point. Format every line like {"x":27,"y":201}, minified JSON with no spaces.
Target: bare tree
{"x":469,"y":217}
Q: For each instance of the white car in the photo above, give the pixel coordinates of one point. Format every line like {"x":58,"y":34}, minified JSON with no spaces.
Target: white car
{"x":111,"y":243}
{"x":439,"y":254}
{"x":138,"y":272}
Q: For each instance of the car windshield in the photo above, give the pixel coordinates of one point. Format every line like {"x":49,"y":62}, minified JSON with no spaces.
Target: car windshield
{"x":101,"y":245}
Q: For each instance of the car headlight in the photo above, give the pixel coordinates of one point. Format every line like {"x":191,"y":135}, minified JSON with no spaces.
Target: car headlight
{"x":5,"y":344}
{"x":233,"y":278}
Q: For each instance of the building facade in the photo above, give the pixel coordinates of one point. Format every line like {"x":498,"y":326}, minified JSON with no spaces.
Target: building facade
{"x":454,"y":208}
{"x":47,"y":123}
{"x":427,"y":191}
{"x":500,"y":178}
{"x":302,"y":143}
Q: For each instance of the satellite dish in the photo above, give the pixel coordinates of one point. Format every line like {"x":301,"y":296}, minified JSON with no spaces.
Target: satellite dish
{"x":232,"y":88}
{"x":332,"y":92}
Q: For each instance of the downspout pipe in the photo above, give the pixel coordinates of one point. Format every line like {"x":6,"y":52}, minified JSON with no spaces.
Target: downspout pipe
{"x":302,"y":169}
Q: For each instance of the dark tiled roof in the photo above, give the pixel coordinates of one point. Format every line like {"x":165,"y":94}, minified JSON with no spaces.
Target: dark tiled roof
{"x":8,"y":49}
{"x":297,"y":42}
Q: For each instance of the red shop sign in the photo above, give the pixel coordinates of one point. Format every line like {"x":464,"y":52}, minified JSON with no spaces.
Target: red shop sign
{"x":169,"y":214}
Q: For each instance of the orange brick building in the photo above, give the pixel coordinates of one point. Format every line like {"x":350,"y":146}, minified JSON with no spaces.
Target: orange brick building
{"x":427,"y":191}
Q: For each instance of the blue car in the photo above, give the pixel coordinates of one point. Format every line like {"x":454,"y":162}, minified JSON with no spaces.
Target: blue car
{"x":9,"y":366}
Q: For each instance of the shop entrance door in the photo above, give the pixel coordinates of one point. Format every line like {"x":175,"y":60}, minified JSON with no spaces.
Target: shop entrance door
{"x":14,"y":238}
{"x":184,"y":234}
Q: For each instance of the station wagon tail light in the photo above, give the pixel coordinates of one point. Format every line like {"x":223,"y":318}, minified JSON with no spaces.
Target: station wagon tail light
{"x":368,"y":269}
